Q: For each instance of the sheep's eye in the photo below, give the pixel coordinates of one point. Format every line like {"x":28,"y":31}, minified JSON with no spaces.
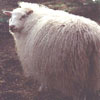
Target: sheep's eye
{"x":22,"y":17}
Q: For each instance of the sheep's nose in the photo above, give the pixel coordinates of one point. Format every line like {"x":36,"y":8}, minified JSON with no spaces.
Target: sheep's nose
{"x":12,"y":27}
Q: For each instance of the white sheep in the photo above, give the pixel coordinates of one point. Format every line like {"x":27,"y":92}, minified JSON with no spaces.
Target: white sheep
{"x":60,"y":50}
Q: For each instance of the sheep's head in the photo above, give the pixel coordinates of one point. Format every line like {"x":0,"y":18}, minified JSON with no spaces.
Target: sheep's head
{"x":17,"y":18}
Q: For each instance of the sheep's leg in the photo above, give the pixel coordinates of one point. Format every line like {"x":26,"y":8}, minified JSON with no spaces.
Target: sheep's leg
{"x":42,"y":88}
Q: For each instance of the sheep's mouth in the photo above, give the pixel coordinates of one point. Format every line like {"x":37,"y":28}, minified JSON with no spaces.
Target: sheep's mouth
{"x":14,"y":29}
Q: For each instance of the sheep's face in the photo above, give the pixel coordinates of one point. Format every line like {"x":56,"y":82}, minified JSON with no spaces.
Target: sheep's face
{"x":17,"y":18}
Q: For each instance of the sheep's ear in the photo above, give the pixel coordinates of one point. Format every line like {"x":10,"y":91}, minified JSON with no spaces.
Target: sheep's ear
{"x":26,"y":6}
{"x":19,"y":3}
{"x":29,"y":12}
{"x":8,"y":13}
